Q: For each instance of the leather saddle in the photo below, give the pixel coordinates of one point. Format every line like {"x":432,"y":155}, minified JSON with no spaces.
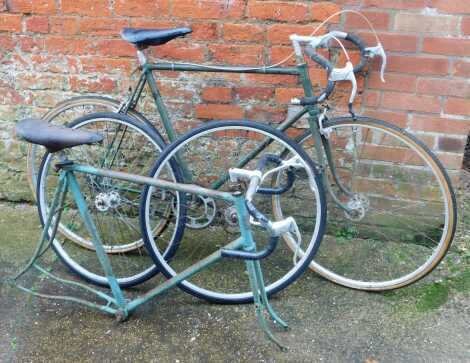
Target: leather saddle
{"x":53,"y":137}
{"x":143,"y":38}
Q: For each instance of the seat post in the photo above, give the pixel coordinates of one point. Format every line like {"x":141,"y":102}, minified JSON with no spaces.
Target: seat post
{"x":63,"y":161}
{"x":141,"y":56}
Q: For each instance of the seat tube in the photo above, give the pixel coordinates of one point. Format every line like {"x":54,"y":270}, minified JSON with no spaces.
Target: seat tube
{"x":97,"y":243}
{"x":162,"y":110}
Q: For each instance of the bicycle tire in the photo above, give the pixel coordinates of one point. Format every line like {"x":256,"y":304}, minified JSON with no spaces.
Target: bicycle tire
{"x":116,"y":224}
{"x":220,"y":137}
{"x":359,"y":262}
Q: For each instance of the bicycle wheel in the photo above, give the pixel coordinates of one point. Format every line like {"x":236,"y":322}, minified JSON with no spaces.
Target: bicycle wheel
{"x":403,"y":212}
{"x":128,"y":146}
{"x":207,"y":153}
{"x":62,"y":114}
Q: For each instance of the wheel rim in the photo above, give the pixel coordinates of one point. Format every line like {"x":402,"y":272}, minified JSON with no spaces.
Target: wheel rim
{"x":395,"y":256}
{"x":222,"y":290}
{"x":130,"y":268}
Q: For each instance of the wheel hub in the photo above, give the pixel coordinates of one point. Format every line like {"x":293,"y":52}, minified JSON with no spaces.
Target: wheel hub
{"x":106,"y":201}
{"x":358,"y":206}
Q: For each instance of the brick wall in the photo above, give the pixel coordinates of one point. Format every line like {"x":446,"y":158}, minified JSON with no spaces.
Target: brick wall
{"x":53,"y":49}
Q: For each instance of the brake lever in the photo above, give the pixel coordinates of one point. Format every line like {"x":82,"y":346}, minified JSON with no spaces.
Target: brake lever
{"x":346,"y":74}
{"x":378,"y":50}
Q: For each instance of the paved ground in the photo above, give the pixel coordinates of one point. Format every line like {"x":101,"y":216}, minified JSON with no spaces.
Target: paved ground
{"x":428,"y":322}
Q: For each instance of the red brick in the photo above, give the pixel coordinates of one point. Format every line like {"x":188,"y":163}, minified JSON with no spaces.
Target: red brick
{"x":61,"y":45}
{"x":204,"y":31}
{"x":9,"y":95}
{"x":32,"y":6}
{"x":65,"y":25}
{"x":30,"y":45}
{"x":349,"y":2}
{"x":279,"y":33}
{"x":152,"y":23}
{"x":44,"y":6}
{"x":52,"y":63}
{"x":398,"y":42}
{"x":182,"y":51}
{"x":418,"y":65}
{"x":451,"y":161}
{"x":466,"y":26}
{"x":20,"y":6}
{"x":175,"y":90}
{"x":141,"y":7}
{"x":278,"y":10}
{"x":267,"y":114}
{"x":121,"y":66}
{"x":6,"y":42}
{"x":410,"y":102}
{"x":451,"y":144}
{"x":41,"y":82}
{"x":393,"y":82}
{"x":279,"y":54}
{"x":324,"y":9}
{"x":271,"y":79}
{"x":447,"y":46}
{"x":87,"y":7}
{"x":457,"y":106}
{"x":217,"y":94}
{"x":86,"y":85}
{"x":425,"y":23}
{"x":371,"y":98}
{"x":285,"y":95}
{"x":243,"y":32}
{"x":37,"y":24}
{"x":444,"y":87}
{"x":452,"y":6}
{"x":318,"y":77}
{"x":396,"y":4}
{"x":196,"y":9}
{"x":254,"y":93}
{"x":216,"y":111}
{"x":461,"y":68}
{"x":237,"y":54}
{"x":10,"y":22}
{"x":115,"y":48}
{"x":103,"y":26}
{"x":380,"y":20}
{"x":439,"y":125}
{"x":396,"y":118}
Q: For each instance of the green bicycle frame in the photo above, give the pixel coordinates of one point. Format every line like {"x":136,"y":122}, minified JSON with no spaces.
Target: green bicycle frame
{"x":116,"y":303}
{"x":321,"y":143}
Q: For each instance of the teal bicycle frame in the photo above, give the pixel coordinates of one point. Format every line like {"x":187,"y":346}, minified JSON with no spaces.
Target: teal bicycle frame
{"x":323,"y":151}
{"x":116,"y":303}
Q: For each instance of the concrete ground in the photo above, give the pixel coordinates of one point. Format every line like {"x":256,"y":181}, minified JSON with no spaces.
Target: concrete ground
{"x":427,"y":322}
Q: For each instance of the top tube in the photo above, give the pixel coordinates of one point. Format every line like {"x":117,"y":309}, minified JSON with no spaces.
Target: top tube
{"x":170,"y":66}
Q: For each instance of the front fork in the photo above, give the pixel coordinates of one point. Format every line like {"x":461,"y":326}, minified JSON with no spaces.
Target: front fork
{"x":325,"y":159}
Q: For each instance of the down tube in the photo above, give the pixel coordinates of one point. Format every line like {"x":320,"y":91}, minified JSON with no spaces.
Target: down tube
{"x":252,"y":154}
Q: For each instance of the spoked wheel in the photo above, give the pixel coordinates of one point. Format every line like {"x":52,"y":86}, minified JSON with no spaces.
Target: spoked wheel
{"x":207,"y":153}
{"x":401,"y":209}
{"x":131,"y":147}
{"x":64,"y":113}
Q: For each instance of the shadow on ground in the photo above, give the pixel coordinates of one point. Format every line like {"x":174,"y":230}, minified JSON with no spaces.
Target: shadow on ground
{"x":427,"y":322}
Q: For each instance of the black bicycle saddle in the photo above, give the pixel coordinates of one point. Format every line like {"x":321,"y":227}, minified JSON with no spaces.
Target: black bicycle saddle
{"x":53,"y":137}
{"x":143,"y":38}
